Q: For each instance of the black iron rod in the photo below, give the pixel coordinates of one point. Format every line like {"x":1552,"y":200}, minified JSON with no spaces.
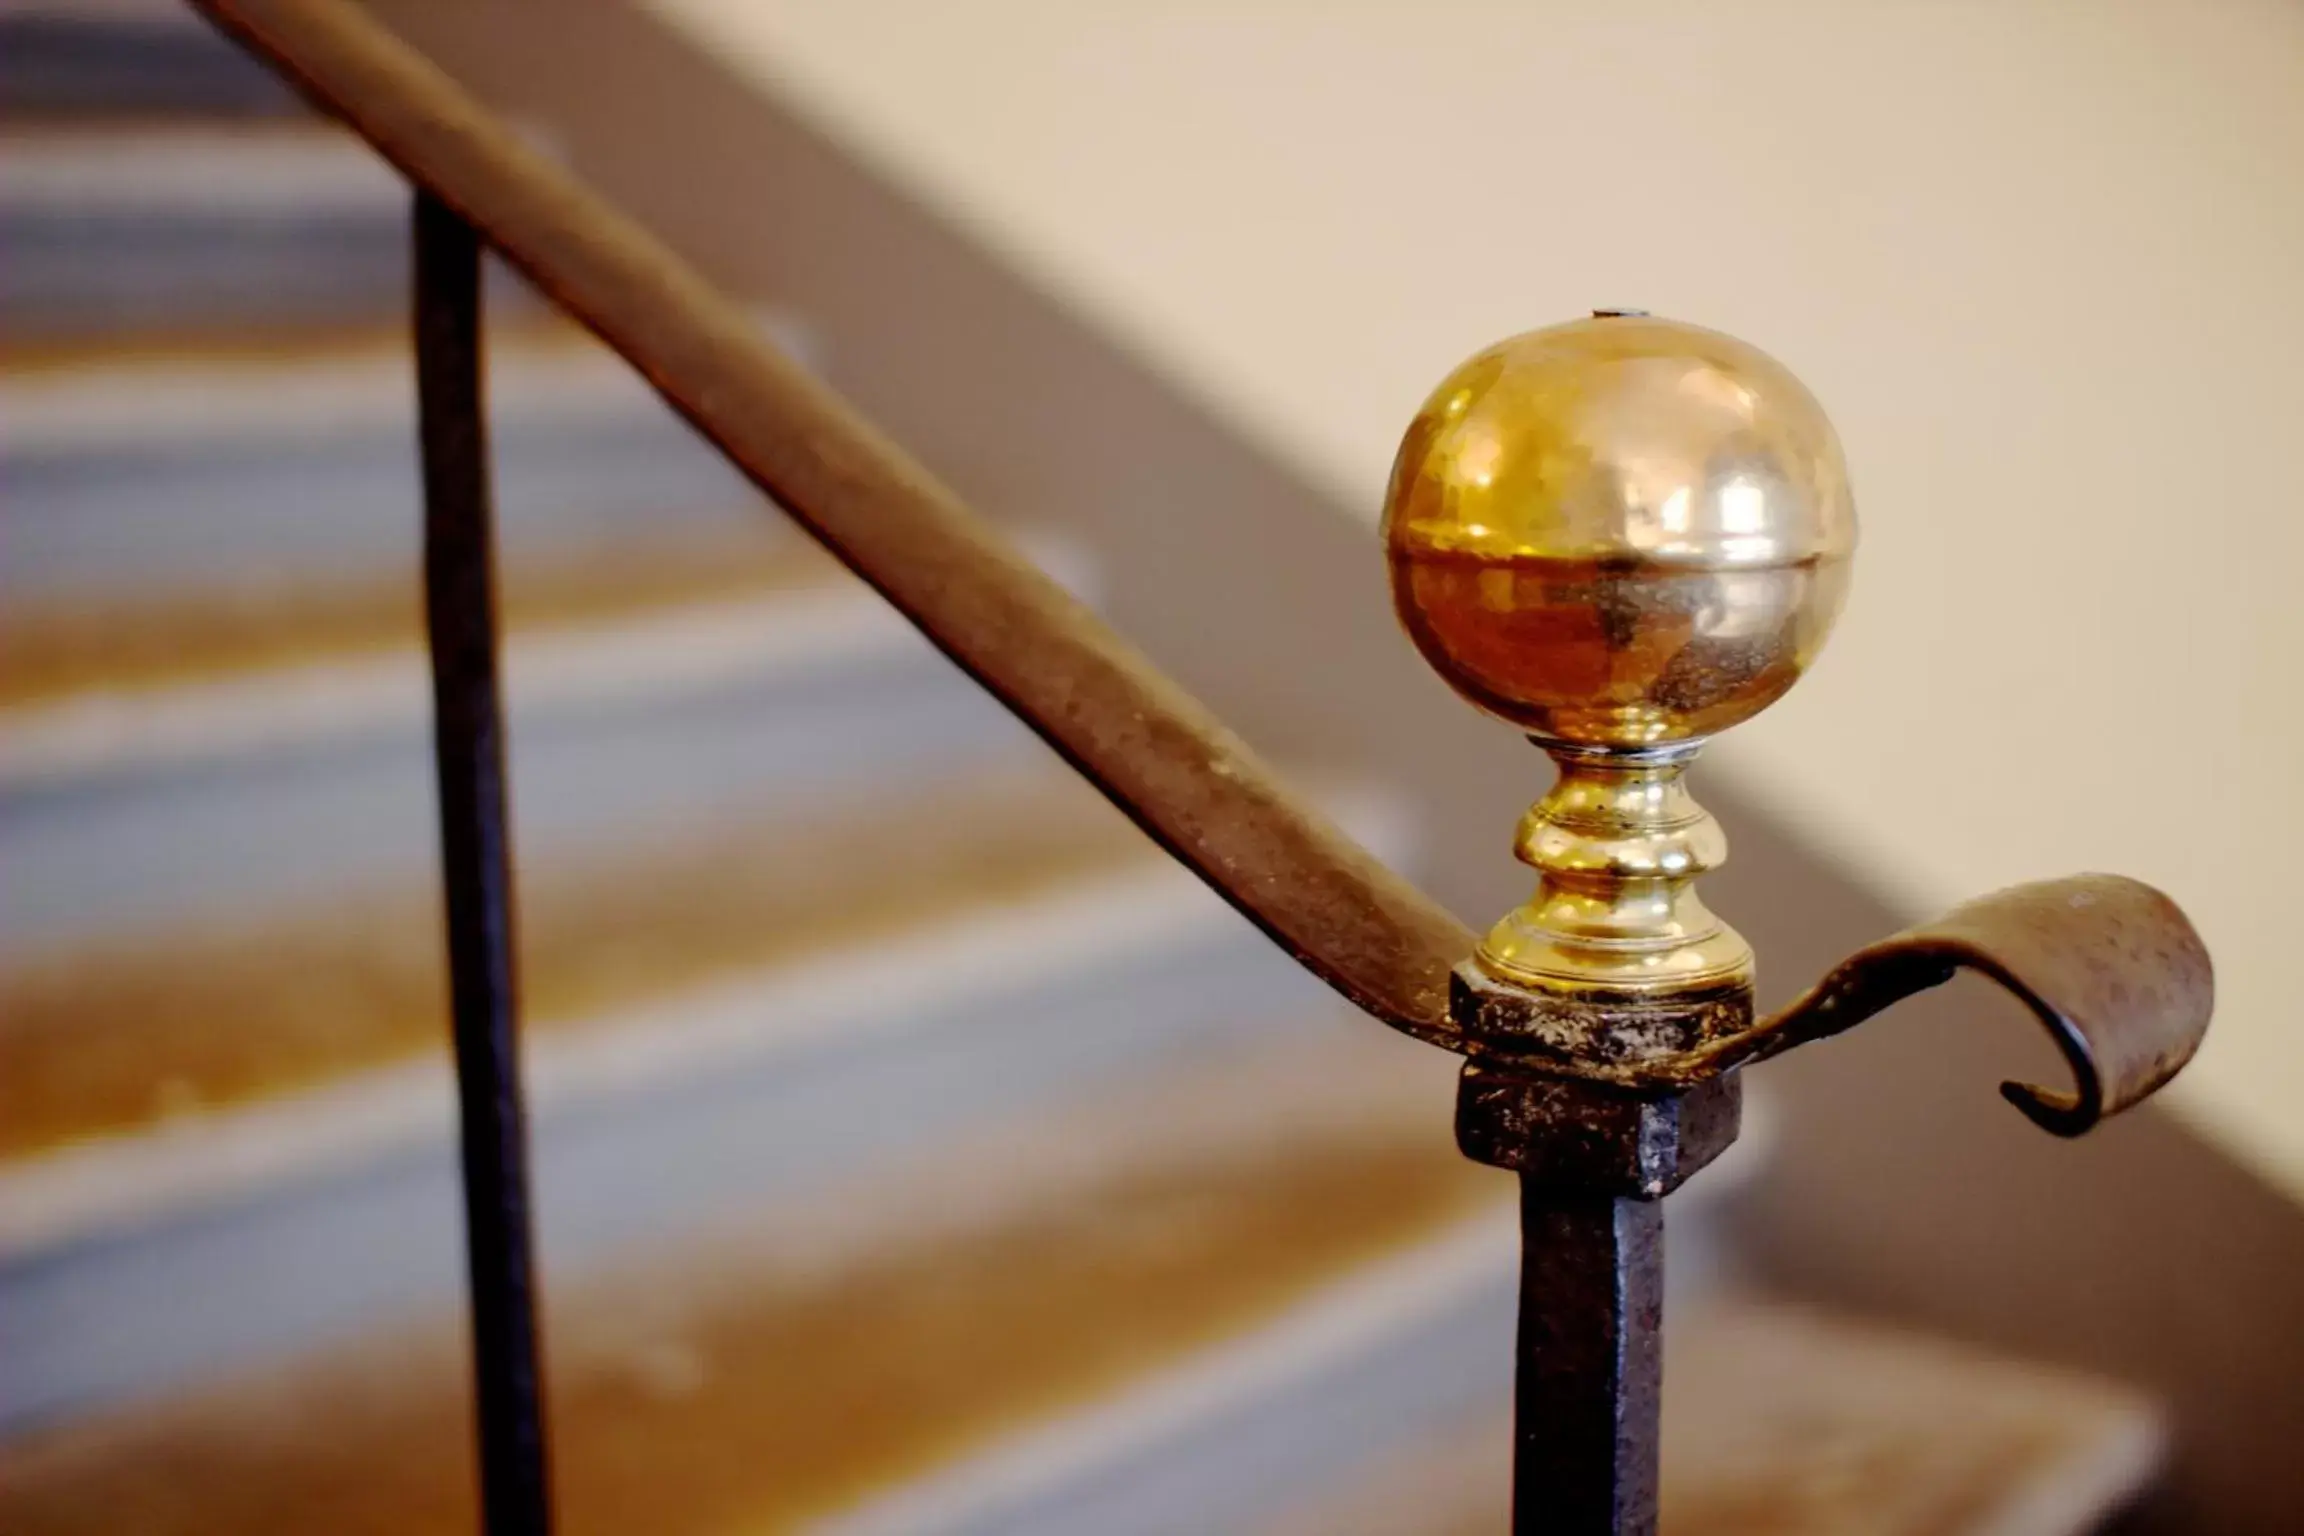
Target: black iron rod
{"x":476,"y":865}
{"x":1590,"y":1365}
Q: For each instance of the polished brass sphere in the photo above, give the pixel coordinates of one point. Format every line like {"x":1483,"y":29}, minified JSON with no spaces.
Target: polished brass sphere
{"x":1620,"y":532}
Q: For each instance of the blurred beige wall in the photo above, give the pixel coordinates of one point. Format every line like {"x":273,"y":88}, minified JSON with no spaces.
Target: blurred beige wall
{"x":2044,"y":264}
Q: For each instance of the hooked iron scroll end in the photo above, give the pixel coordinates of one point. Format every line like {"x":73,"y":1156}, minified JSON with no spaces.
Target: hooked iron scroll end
{"x":2112,"y":968}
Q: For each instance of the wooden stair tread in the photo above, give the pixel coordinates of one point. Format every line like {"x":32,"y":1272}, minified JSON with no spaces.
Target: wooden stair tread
{"x":31,"y":362}
{"x":120,"y":1036}
{"x":196,"y":222}
{"x":131,"y":161}
{"x":55,"y":649}
{"x":756,"y":1391}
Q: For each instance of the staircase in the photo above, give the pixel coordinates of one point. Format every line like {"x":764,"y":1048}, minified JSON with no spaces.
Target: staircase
{"x":916,"y":1148}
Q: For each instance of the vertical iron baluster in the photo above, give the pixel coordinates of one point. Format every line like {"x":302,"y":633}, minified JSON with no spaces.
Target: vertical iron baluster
{"x":1590,"y":1365}
{"x":468,"y":744}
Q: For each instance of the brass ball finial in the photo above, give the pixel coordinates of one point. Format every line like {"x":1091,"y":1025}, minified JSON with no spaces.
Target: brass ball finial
{"x":1620,"y":531}
{"x":1622,"y":535}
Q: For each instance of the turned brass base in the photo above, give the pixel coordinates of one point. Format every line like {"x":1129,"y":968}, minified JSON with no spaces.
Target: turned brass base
{"x":1617,"y":844}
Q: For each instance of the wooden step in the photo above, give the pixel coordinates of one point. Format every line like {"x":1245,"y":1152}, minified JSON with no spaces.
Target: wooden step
{"x":644,"y":687}
{"x":197,"y":223}
{"x":305,"y":791}
{"x":822,"y":1361}
{"x":117,"y":1037}
{"x":92,"y":688}
{"x":131,"y":388}
{"x":262,"y":1122}
{"x":302,"y":167}
{"x":60,"y":649}
{"x":102,"y":60}
{"x":218,"y":552}
{"x":137,"y":469}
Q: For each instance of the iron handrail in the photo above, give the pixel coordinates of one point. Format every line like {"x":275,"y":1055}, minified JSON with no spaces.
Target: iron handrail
{"x":1152,"y":749}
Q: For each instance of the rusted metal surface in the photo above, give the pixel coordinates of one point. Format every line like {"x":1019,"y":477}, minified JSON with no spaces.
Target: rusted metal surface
{"x":1565,"y":1133}
{"x":1155,"y":751}
{"x":476,"y":872}
{"x":1594,"y":1162}
{"x":1593,"y":1031}
{"x":1590,"y":1377}
{"x":2111,"y":967}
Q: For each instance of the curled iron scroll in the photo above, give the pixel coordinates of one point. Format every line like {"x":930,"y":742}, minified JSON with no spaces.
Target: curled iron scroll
{"x":2112,"y":967}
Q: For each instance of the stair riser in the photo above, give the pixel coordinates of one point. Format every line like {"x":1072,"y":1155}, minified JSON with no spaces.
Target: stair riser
{"x":117,"y":520}
{"x":87,"y":276}
{"x":143,"y":851}
{"x":173,"y":1301}
{"x":115,"y":231}
{"x":80,"y":66}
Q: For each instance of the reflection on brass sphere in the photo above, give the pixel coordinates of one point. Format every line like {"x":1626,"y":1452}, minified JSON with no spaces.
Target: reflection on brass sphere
{"x":1620,"y":531}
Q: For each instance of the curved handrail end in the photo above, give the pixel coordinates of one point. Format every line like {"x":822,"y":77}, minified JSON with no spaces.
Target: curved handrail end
{"x":2112,"y":969}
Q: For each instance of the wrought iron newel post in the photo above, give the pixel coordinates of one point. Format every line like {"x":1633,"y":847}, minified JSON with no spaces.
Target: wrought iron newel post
{"x":1623,"y":535}
{"x":476,"y":862}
